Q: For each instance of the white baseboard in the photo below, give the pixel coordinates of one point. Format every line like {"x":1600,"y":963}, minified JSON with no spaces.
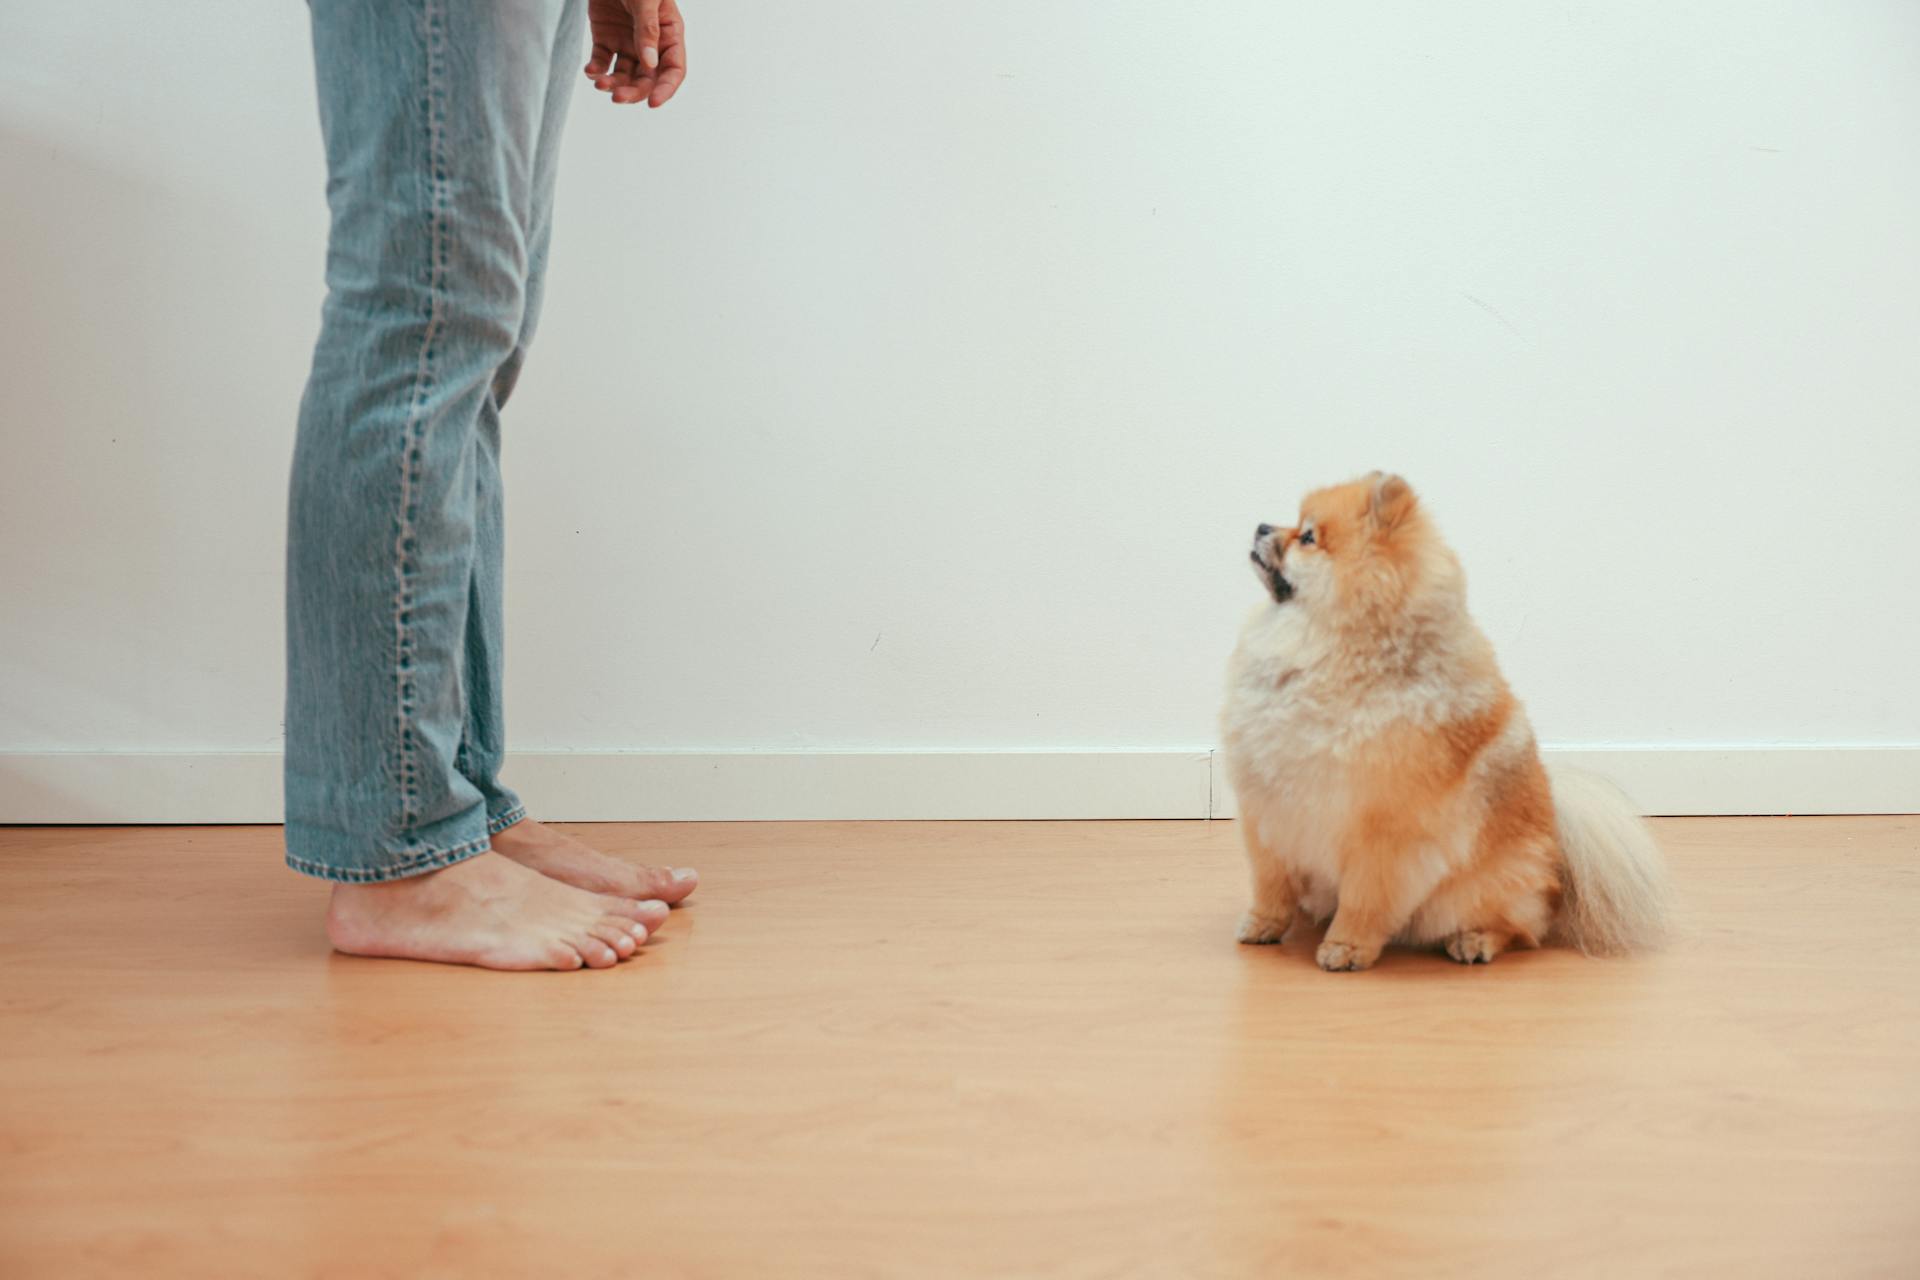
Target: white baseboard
{"x":638,"y":786}
{"x":649,"y":786}
{"x":1681,"y":781}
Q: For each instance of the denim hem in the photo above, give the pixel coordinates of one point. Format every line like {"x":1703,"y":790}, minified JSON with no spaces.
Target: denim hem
{"x":516,"y":814}
{"x":414,"y":864}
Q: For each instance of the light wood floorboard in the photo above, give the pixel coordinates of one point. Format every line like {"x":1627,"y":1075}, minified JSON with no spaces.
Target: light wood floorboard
{"x":956,"y":1049}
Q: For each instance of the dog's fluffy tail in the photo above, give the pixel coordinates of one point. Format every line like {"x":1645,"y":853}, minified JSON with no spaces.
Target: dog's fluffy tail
{"x":1616,"y":896}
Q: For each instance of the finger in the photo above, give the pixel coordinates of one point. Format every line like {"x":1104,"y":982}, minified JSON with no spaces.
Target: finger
{"x":633,"y":82}
{"x":646,"y":33}
{"x":665,"y":85}
{"x":599,"y":60}
{"x":673,"y":33}
{"x":611,"y":75}
{"x":673,"y":54}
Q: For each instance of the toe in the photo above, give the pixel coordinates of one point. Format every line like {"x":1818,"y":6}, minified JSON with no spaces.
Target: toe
{"x":617,"y":929}
{"x":669,"y":884}
{"x":597,"y":954}
{"x":561,"y":956}
{"x":650,"y":912}
{"x":615,"y":936}
{"x":614,"y":933}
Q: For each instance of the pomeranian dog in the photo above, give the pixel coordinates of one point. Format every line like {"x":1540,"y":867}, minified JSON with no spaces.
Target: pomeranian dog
{"x":1386,"y":777}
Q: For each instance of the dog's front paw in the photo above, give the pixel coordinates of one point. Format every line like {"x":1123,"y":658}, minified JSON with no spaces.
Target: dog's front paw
{"x":1340,"y":957}
{"x":1258,"y":930}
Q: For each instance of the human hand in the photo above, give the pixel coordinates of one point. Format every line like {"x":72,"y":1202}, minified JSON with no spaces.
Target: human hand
{"x":639,"y":49}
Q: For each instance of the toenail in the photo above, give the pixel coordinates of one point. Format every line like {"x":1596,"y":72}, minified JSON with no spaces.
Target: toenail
{"x":655,"y":902}
{"x":639,"y":932}
{"x":684,"y":874}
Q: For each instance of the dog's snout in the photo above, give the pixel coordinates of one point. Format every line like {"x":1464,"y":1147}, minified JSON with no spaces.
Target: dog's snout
{"x":1263,"y":531}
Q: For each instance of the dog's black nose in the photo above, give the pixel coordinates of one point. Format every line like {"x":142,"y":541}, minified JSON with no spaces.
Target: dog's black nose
{"x":1263,"y":531}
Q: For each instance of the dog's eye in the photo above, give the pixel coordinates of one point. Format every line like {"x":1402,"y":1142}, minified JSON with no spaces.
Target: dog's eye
{"x":1306,"y":537}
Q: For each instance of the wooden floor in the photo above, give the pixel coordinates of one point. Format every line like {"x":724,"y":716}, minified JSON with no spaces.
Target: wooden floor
{"x":982,"y":1050}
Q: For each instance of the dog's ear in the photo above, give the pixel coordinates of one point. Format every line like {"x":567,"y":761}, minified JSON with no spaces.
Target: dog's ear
{"x":1391,"y":501}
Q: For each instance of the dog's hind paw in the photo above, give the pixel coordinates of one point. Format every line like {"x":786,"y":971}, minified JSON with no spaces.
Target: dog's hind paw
{"x":1474,"y":946}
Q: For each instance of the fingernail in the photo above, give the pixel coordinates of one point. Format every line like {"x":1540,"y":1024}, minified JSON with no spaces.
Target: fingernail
{"x":684,"y":874}
{"x":649,"y":57}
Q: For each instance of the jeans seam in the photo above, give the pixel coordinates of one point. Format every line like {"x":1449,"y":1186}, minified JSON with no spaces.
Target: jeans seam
{"x":414,"y":428}
{"x":516,"y":814}
{"x":414,"y":864}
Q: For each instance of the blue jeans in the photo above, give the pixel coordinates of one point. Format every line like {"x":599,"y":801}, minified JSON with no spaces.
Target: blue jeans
{"x":442,"y":121}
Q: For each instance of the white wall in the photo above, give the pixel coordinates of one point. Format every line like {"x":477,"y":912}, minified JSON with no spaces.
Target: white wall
{"x":971,"y":341}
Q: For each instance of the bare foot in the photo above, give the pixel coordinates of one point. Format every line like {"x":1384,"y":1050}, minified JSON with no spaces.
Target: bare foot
{"x":485,"y":911}
{"x":554,"y":853}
